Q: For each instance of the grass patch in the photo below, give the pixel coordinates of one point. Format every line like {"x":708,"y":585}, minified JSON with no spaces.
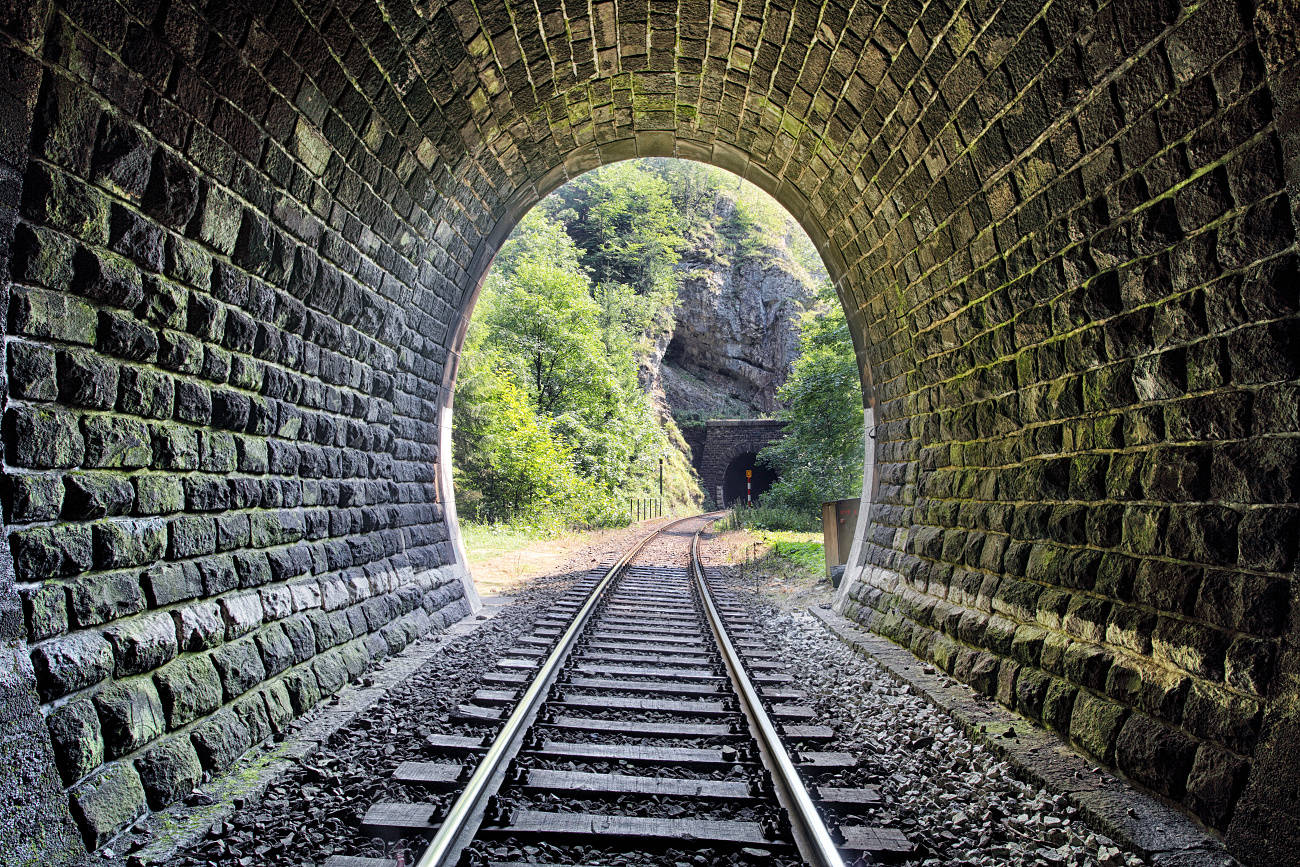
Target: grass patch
{"x":485,"y":541}
{"x":777,"y":518}
{"x":803,"y":551}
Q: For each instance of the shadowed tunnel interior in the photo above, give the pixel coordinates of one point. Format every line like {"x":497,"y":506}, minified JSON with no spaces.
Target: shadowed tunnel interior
{"x":241,"y":247}
{"x":738,"y":488}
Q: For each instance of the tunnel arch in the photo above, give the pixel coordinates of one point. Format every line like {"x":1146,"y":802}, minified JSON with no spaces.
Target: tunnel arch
{"x":735,"y":488}
{"x":241,"y":240}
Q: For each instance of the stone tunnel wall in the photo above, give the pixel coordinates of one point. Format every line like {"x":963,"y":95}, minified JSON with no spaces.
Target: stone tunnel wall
{"x":246,"y":238}
{"x":724,"y":440}
{"x":223,"y":385}
{"x":1081,"y":326}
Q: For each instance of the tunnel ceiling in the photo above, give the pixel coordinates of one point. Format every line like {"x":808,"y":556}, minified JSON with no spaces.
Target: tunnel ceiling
{"x":245,"y":240}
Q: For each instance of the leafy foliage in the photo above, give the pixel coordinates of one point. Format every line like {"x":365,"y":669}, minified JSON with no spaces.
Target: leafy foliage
{"x":552,"y":424}
{"x":820,"y":458}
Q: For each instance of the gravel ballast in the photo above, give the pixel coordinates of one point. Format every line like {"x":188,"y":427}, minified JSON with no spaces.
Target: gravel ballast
{"x":314,"y":809}
{"x":953,"y":797}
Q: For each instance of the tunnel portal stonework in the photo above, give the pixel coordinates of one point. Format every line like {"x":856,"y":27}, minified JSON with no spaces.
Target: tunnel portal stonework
{"x":241,"y":245}
{"x":722,"y":440}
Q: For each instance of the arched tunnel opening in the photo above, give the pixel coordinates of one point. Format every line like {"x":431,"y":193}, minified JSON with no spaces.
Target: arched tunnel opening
{"x":240,"y":243}
{"x":747,"y":478}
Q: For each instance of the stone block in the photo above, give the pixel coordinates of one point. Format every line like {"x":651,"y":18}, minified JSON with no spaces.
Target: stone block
{"x":193,"y":403}
{"x":1250,"y":664}
{"x":191,"y":536}
{"x":1213,"y":784}
{"x":220,"y":740}
{"x":1225,"y":717}
{"x":43,"y":438}
{"x":279,"y":707}
{"x":1086,"y":664}
{"x":218,"y":218}
{"x":1202,"y":534}
{"x":169,"y":771}
{"x":44,"y":258}
{"x":108,"y":279}
{"x":276,"y":651}
{"x":145,"y":393}
{"x":158,"y":494}
{"x":1031,"y":692}
{"x":239,"y":666}
{"x":121,"y":158}
{"x":142,"y":643}
{"x":1193,"y":647}
{"x":217,"y":452}
{"x":330,"y":672}
{"x":251,"y":710}
{"x":96,"y":495}
{"x":52,"y":315}
{"x":242,"y":613}
{"x":1155,"y":755}
{"x":1095,"y":724}
{"x":189,"y":688}
{"x":75,"y":735}
{"x":304,"y":691}
{"x":233,"y":533}
{"x":64,"y":202}
{"x":175,"y":447}
{"x":254,"y":570}
{"x":1255,"y":604}
{"x":123,"y":336}
{"x":356,"y":658}
{"x":171,"y":196}
{"x":121,"y":544}
{"x":31,"y":372}
{"x":136,"y":238}
{"x":1153,"y":689}
{"x":104,"y":597}
{"x":32,"y":497}
{"x":116,"y":441}
{"x":130,"y":716}
{"x":106,"y":803}
{"x":199,"y":626}
{"x":167,"y":583}
{"x":1058,"y":705}
{"x":71,"y":662}
{"x":178,"y":352}
{"x":165,"y":306}
{"x":51,"y":552}
{"x":45,"y":610}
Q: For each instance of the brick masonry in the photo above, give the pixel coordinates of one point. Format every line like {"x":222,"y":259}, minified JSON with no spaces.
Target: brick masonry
{"x":722,"y":440}
{"x":246,"y":238}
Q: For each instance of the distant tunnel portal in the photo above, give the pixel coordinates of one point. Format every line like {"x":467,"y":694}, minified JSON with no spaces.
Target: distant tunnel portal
{"x":733,"y":484}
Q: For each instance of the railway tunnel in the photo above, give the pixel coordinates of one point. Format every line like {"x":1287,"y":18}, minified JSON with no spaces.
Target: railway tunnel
{"x":242,"y":243}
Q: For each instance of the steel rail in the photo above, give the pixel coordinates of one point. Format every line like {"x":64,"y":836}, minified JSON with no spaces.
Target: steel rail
{"x":811,"y":836}
{"x":462,"y":820}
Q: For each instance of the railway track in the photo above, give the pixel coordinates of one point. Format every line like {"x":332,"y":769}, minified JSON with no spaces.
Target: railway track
{"x":640,"y":722}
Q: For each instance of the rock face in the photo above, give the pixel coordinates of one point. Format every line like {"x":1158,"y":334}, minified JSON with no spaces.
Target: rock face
{"x":737,"y":332}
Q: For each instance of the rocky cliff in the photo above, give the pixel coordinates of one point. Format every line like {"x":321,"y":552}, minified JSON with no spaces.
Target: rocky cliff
{"x":736,"y":331}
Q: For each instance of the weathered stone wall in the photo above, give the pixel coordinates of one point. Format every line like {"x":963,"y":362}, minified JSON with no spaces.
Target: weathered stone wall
{"x":223,"y":381}
{"x":251,"y":234}
{"x":724,"y":440}
{"x":1080,"y":318}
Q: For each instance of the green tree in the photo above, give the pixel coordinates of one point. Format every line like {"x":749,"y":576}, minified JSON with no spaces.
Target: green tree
{"x":508,"y":463}
{"x":820,"y":457}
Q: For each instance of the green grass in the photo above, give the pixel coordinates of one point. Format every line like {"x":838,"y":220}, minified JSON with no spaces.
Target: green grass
{"x":777,"y":518}
{"x":483,"y":541}
{"x":804,"y":550}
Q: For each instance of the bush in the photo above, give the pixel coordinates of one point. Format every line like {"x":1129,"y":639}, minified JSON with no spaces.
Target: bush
{"x":769,"y":517}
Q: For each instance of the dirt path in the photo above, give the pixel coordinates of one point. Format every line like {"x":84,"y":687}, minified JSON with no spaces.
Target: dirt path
{"x":507,"y":572}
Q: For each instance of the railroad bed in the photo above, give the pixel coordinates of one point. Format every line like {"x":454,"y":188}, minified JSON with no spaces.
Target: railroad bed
{"x":640,"y":721}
